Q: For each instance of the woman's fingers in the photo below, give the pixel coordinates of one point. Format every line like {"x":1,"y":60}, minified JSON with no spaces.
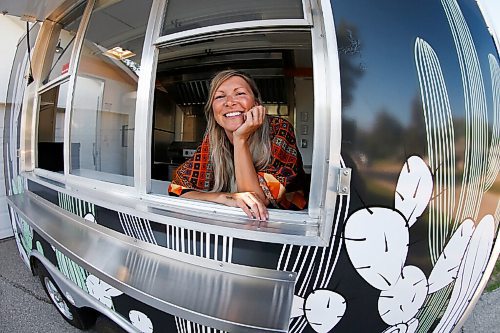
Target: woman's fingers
{"x":252,"y":206}
{"x":262,"y":114}
{"x":245,"y":208}
{"x":253,"y":120}
{"x":238,"y":200}
{"x":259,"y":207}
{"x":259,"y":113}
{"x":256,"y":115}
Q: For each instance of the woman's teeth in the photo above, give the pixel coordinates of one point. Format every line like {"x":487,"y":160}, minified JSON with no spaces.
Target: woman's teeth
{"x":232,"y":114}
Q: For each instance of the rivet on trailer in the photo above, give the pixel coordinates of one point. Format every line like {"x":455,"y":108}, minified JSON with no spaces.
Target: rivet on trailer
{"x":396,"y":111}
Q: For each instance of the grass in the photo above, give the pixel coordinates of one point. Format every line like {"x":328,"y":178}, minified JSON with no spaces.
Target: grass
{"x":494,"y":281}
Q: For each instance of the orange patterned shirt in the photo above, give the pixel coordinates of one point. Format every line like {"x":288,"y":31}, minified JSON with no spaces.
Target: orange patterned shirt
{"x":282,"y":180}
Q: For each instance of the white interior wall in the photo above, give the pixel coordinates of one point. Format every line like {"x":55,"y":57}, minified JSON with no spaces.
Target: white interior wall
{"x":119,"y":106}
{"x":87,"y":101}
{"x":12,"y":29}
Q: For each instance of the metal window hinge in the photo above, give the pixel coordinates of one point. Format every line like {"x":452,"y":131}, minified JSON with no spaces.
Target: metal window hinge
{"x":344,"y":181}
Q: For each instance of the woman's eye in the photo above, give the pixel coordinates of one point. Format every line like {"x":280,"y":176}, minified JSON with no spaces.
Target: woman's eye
{"x":219,"y":97}
{"x":240,"y":93}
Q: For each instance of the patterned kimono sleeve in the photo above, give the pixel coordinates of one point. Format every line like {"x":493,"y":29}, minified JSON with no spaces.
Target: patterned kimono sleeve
{"x":283,"y":180}
{"x":194,"y":174}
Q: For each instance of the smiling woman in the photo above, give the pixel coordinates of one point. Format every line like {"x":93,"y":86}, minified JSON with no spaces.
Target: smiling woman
{"x":255,"y":163}
{"x":251,"y":94}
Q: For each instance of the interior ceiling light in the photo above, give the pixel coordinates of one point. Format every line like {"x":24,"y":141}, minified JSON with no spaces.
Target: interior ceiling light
{"x":118,"y":53}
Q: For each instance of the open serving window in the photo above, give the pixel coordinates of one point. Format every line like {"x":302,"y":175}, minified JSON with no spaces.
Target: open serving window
{"x":285,"y":53}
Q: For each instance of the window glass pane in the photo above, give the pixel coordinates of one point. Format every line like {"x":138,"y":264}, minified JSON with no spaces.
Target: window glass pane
{"x":51,"y":128}
{"x":102,"y":124}
{"x":384,"y":121}
{"x":184,"y":15}
{"x":65,"y":43}
{"x":281,"y":65}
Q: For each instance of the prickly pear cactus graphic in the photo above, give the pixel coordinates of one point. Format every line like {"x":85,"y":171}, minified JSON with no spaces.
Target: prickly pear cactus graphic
{"x":39,"y":247}
{"x":377,"y":242}
{"x":71,"y":270}
{"x":20,"y":227}
{"x":101,"y":290}
{"x":141,"y":321}
{"x":77,"y":206}
{"x":26,"y":236}
{"x":17,"y":185}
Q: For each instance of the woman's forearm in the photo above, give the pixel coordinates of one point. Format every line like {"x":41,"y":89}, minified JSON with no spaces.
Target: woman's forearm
{"x":217,"y":197}
{"x":245,"y":174}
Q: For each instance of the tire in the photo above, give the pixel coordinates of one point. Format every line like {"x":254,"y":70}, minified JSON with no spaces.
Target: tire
{"x":81,"y":318}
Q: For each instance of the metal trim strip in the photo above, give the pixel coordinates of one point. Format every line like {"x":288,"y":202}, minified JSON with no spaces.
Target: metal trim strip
{"x":232,"y":27}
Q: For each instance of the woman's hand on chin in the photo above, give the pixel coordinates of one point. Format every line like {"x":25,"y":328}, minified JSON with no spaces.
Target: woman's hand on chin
{"x":254,"y":118}
{"x":249,"y":202}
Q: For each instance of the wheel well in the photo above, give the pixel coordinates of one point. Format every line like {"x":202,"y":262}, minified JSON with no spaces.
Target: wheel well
{"x":36,"y":265}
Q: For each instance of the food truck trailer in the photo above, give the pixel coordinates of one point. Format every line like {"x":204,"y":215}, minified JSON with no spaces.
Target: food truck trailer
{"x":396,"y":110}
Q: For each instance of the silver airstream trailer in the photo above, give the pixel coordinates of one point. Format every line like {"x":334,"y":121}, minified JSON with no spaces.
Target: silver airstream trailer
{"x":396,"y":110}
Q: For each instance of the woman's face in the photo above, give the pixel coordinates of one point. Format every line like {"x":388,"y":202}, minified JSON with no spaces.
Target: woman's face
{"x":232,"y":99}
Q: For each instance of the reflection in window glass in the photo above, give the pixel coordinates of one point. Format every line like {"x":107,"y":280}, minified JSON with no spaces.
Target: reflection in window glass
{"x":102,"y":123}
{"x":384,"y":120}
{"x":51,"y":128}
{"x":65,"y":43}
{"x":184,"y":15}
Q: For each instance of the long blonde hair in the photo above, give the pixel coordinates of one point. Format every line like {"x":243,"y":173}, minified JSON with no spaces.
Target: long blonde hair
{"x":221,"y":149}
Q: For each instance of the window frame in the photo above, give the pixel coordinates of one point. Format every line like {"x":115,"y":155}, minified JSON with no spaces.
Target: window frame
{"x":47,"y":41}
{"x":326,"y":155}
{"x":192,"y":35}
{"x":56,"y":83}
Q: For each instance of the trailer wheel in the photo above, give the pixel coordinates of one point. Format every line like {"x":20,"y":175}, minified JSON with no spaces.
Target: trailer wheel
{"x":80,"y":318}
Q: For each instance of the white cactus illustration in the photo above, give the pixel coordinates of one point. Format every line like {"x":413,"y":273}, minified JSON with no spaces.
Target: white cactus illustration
{"x":101,"y":290}
{"x":77,"y":206}
{"x":446,"y":269}
{"x":39,"y":247}
{"x":297,"y":307}
{"x":19,"y":242}
{"x":409,"y":327}
{"x":27,"y":236}
{"x":322,"y":308}
{"x":403,"y":300}
{"x":71,"y":270}
{"x":90,"y":217}
{"x":17,"y":185}
{"x":140,"y":321}
{"x":383,"y":234}
{"x":469,"y":274}
{"x":494,"y":152}
{"x":414,"y":189}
